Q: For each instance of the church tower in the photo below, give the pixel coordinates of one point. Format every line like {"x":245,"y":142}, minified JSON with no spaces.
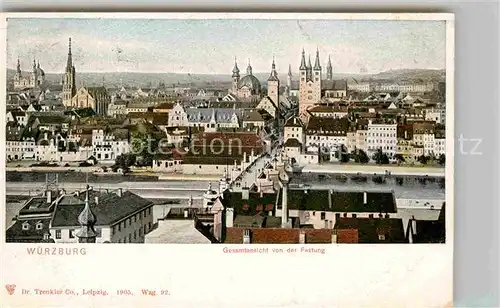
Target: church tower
{"x":69,"y":84}
{"x":273,"y":85}
{"x":236,"y":78}
{"x":329,"y":70}
{"x":316,"y":77}
{"x":33,"y":75}
{"x":289,"y":81}
{"x":87,"y":220}
{"x":303,"y":85}
{"x":18,"y":76}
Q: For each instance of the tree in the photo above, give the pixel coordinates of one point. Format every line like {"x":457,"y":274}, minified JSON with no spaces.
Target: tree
{"x":144,"y":145}
{"x":423,"y":159}
{"x":400,"y":158}
{"x":442,"y":159}
{"x":360,"y":156}
{"x":380,"y":157}
{"x":343,"y":154}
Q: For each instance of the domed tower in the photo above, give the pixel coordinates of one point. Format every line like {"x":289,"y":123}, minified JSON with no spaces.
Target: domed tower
{"x":209,"y":197}
{"x":40,"y":75}
{"x":87,"y":220}
{"x":236,"y":77}
{"x":69,"y":84}
{"x":273,"y":85}
{"x":249,"y":86}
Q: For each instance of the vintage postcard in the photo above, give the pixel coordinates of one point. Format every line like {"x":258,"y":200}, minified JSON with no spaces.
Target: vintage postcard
{"x":208,"y":149}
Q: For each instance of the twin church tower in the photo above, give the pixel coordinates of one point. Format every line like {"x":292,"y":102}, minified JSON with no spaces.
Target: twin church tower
{"x":310,"y":83}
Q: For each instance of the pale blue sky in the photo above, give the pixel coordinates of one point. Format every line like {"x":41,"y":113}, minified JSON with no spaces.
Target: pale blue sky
{"x":209,"y":46}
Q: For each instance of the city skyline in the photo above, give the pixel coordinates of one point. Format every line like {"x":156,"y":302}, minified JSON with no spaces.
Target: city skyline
{"x":134,"y":45}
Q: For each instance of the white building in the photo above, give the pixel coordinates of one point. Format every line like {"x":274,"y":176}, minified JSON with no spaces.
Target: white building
{"x":122,"y":224}
{"x":108,"y":146}
{"x":381,"y":135}
{"x":437,"y":115}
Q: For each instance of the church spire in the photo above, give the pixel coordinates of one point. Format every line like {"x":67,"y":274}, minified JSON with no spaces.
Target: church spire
{"x":87,"y":220}
{"x":236,"y":70}
{"x":303,"y":60}
{"x":18,"y":66}
{"x":290,"y":70}
{"x":249,"y":68}
{"x":274,"y":74}
{"x":329,"y":70}
{"x":34,"y":64}
{"x":69,"y":65}
{"x":317,"y":66}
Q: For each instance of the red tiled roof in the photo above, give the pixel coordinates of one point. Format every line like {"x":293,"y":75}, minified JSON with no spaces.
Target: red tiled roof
{"x":347,"y":236}
{"x":278,"y":236}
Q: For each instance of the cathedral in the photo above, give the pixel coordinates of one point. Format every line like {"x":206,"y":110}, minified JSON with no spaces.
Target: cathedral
{"x":35,"y":79}
{"x":69,"y":80}
{"x":247,"y":88}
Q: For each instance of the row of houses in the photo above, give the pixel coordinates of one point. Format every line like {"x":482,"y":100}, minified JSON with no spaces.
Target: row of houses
{"x":330,"y":135}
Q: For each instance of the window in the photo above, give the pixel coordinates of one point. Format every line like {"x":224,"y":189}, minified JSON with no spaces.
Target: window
{"x":149,"y":226}
{"x":58,"y":234}
{"x":337,"y":215}
{"x":323,"y":216}
{"x":71,"y":234}
{"x":98,"y":232}
{"x":381,"y":237}
{"x":140,"y":231}
{"x":345,"y":214}
{"x":354,"y":215}
{"x":119,"y":227}
{"x":130,"y":237}
{"x":135,"y":217}
{"x":26,"y":226}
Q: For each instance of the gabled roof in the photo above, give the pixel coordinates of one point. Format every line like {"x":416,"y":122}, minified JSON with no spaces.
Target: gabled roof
{"x":334,"y":85}
{"x":110,"y":209}
{"x":369,"y":230}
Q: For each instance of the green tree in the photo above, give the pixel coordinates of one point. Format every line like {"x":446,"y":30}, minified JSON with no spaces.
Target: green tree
{"x":144,"y":146}
{"x":343,"y":154}
{"x":380,"y":157}
{"x":360,"y":156}
{"x":442,"y":159}
{"x":400,"y":158}
{"x":423,"y":159}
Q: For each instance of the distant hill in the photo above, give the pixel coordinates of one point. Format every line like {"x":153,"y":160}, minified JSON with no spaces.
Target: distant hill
{"x":218,"y":80}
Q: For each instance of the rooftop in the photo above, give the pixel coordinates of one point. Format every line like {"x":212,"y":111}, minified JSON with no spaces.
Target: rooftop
{"x":369,"y":230}
{"x":278,"y":236}
{"x":110,"y":209}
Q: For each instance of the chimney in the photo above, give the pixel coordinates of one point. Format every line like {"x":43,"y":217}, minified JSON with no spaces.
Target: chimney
{"x":186,"y":213}
{"x":49,"y":196}
{"x":245,"y":157}
{"x":96,"y":199}
{"x":334,"y":238}
{"x":120,"y":192}
{"x":284,"y":207}
{"x":365,"y":198}
{"x":414,"y":225}
{"x":302,"y":237}
{"x":46,"y":236}
{"x":246,"y":236}
{"x":245,"y":193}
{"x":229,"y":217}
